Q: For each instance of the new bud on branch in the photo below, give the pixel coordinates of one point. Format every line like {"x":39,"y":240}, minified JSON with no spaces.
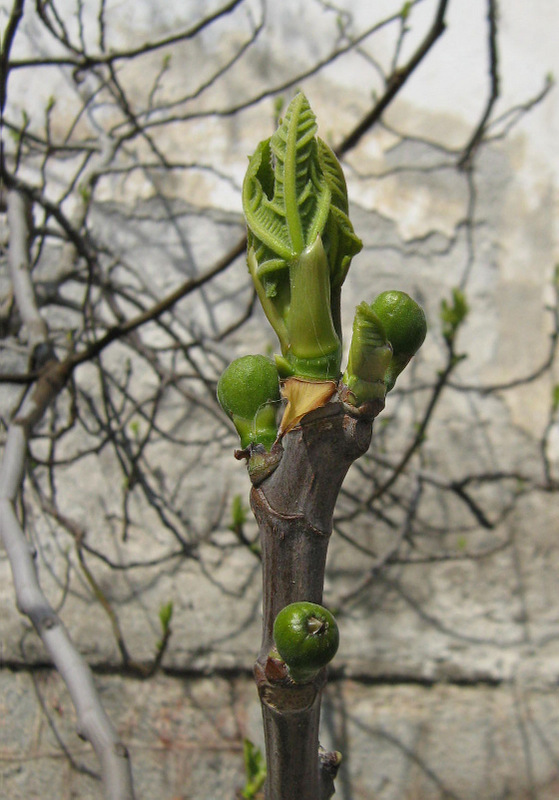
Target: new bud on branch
{"x":386,"y":335}
{"x":300,"y":242}
{"x":405,"y":327}
{"x":300,"y":246}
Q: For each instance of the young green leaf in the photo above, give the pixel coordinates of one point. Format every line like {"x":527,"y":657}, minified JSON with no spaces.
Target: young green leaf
{"x":405,"y":11}
{"x":255,"y":770}
{"x":369,"y":356}
{"x":165,"y":616}
{"x":453,"y":315}
{"x":238,"y":513}
{"x":300,"y":242}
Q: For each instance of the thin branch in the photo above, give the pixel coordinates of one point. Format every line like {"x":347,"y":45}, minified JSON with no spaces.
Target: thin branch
{"x":60,"y":741}
{"x":269,"y":91}
{"x":81,"y":242}
{"x":101,"y":597}
{"x":83,"y":61}
{"x":93,"y":722}
{"x":530,"y":377}
{"x":477,"y":136}
{"x":19,"y":224}
{"x":396,"y":82}
{"x":118,"y":331}
{"x":5,"y":47}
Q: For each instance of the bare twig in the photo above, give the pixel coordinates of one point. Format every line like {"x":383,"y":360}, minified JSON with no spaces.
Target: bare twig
{"x":19,"y":223}
{"x":477,"y":136}
{"x":396,"y":81}
{"x":83,"y":61}
{"x":295,"y":528}
{"x":5,"y":47}
{"x":93,"y":722}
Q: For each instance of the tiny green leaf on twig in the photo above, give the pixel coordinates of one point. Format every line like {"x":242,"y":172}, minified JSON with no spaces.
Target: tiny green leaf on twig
{"x":279,"y":103}
{"x":239,"y":516}
{"x":165,"y":616}
{"x":453,"y":315}
{"x":406,"y":8}
{"x":255,"y":769}
{"x":238,"y":513}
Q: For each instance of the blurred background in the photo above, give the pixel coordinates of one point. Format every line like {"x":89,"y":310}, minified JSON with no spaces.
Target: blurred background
{"x":127,"y":127}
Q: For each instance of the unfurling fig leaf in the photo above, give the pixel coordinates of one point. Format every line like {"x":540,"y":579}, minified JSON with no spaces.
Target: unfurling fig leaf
{"x":300,"y":242}
{"x":369,"y":357}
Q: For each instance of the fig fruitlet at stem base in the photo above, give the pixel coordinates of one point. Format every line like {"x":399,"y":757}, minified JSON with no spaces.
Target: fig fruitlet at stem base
{"x":248,"y":391}
{"x":307,"y":638}
{"x":405,"y":327}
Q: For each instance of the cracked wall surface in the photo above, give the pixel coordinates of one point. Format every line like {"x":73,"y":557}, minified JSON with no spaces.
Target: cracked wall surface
{"x":445,"y":589}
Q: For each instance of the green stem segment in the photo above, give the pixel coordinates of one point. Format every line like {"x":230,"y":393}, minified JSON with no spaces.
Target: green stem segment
{"x":314,"y":349}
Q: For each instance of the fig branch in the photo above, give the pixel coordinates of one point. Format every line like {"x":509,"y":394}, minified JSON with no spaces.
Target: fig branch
{"x":302,"y":423}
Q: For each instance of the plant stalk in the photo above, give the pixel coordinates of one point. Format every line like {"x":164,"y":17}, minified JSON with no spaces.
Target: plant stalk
{"x":294,"y":509}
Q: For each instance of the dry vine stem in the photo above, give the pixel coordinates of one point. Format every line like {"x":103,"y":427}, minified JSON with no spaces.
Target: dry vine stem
{"x":294,"y":508}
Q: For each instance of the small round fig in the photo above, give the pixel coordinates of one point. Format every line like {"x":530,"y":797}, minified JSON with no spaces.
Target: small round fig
{"x":403,"y":320}
{"x":405,"y":327}
{"x":248,"y":391}
{"x":307,"y":638}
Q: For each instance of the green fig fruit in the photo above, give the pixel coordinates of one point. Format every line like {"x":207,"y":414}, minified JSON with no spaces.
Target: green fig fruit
{"x":307,"y":638}
{"x":405,"y":326}
{"x":248,"y":391}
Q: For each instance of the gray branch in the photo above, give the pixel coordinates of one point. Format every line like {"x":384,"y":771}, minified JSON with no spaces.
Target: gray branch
{"x":19,"y":219}
{"x":93,"y":722}
{"x":294,"y":508}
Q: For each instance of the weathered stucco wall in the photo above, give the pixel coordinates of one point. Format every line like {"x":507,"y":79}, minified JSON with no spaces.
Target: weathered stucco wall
{"x":445,"y":683}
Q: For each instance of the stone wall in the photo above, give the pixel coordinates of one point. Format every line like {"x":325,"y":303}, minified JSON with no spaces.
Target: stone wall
{"x":446,"y":590}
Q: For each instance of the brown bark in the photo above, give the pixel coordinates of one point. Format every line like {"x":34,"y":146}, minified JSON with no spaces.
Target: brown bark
{"x":294,"y":508}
